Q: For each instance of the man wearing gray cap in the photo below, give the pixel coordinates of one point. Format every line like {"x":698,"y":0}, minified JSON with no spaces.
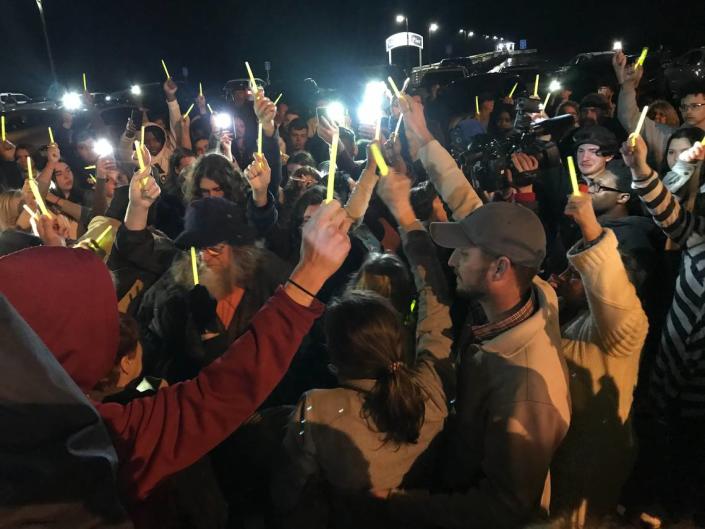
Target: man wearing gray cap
{"x":513,"y":403}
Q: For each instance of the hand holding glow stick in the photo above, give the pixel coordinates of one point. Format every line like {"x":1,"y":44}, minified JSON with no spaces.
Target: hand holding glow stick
{"x":573,"y":176}
{"x":165,"y":70}
{"x":194,"y":266}
{"x":642,"y":58}
{"x":639,"y":125}
{"x":379,"y":159}
{"x":332,"y":166}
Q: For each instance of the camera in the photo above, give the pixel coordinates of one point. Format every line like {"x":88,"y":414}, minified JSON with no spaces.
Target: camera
{"x":486,"y":159}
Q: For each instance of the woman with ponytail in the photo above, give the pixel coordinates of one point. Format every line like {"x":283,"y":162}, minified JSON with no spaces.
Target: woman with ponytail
{"x":375,"y":430}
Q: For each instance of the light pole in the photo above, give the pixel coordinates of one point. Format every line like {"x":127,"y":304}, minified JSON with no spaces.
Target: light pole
{"x":467,"y":34}
{"x":46,"y":40}
{"x":403,"y":19}
{"x":432,"y":28}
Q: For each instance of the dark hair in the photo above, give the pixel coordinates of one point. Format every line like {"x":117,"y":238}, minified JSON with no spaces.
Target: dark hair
{"x":173,"y":183}
{"x":218,"y":168}
{"x":297,"y":124}
{"x":693,"y":88}
{"x":692,"y":134}
{"x":366,"y":340}
{"x":498,"y":111}
{"x":158,"y":133}
{"x":362,"y":145}
{"x":293,"y":188}
{"x":525,"y":276}
{"x":570,"y":103}
{"x":422,"y":197}
{"x":127,"y":344}
{"x":386,"y":274}
{"x":302,"y":158}
{"x":347,"y":135}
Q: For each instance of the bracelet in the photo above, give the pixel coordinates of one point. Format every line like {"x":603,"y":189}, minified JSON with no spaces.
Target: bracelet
{"x":302,"y":289}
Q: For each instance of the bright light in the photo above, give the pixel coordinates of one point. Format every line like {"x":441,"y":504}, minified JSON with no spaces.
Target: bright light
{"x":617,"y":45}
{"x":102,"y":147}
{"x":471,"y":34}
{"x":461,"y":31}
{"x":336,"y":112}
{"x":222,"y":120}
{"x":370,"y":109}
{"x":494,"y":37}
{"x":400,"y":19}
{"x":433,"y":27}
{"x":135,"y":90}
{"x":554,"y":86}
{"x":487,"y":36}
{"x":108,"y":98}
{"x":500,"y":47}
{"x":71,"y":101}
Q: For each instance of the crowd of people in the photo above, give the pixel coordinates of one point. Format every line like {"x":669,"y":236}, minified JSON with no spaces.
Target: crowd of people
{"x":194,"y":336}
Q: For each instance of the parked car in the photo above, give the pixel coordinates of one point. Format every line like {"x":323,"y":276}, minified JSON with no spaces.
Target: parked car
{"x":13,"y":98}
{"x":688,"y":67}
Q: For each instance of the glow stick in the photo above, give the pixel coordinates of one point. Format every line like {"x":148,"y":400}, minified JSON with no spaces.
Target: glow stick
{"x":142,"y":135}
{"x":89,"y":167}
{"x":2,"y":120}
{"x":396,"y":129}
{"x":379,"y":159}
{"x":642,"y":57}
{"x":102,"y":236}
{"x":477,"y":105}
{"x":259,"y":139}
{"x":545,"y":103}
{"x":165,"y":70}
{"x":405,"y":85}
{"x":200,"y":89}
{"x":378,"y":129}
{"x":140,"y":159}
{"x":38,"y":198}
{"x":85,"y":86}
{"x":194,"y":266}
{"x":91,"y":179}
{"x":278,"y":98}
{"x":639,"y":124}
{"x":573,"y":177}
{"x":188,"y":111}
{"x":253,"y":83}
{"x":332,"y":166}
{"x":32,"y":214}
{"x":209,"y":107}
{"x":536,"y":86}
{"x":29,"y":168}
{"x":51,"y":135}
{"x":513,"y":89}
{"x":396,"y":91}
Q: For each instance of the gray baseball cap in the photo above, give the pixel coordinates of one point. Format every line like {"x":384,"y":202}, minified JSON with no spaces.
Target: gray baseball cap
{"x":499,"y":228}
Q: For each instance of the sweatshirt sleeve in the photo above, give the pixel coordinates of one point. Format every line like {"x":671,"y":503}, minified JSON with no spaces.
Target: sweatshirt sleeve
{"x":655,"y":135}
{"x":361,"y":195}
{"x":160,"y":435}
{"x":449,"y":180}
{"x":618,"y":322}
{"x":174,"y":131}
{"x":270,"y":149}
{"x":141,"y":250}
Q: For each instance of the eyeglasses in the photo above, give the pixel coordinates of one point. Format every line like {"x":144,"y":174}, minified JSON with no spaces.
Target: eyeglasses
{"x":691,"y":106}
{"x":214,"y":251}
{"x":596,"y":187}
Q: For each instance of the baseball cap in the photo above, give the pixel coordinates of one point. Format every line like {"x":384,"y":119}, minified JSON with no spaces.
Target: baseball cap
{"x":499,"y":228}
{"x":210,"y":221}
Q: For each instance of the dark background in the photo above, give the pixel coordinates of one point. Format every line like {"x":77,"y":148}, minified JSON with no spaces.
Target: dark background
{"x":118,"y":43}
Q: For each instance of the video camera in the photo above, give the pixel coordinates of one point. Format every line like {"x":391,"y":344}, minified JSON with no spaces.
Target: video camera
{"x":486,"y":159}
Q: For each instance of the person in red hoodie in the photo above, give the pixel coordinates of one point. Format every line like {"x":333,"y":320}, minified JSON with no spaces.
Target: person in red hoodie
{"x":67,"y":297}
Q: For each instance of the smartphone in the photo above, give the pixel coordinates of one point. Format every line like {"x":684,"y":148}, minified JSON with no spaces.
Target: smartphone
{"x":136,"y":118}
{"x":323,"y":111}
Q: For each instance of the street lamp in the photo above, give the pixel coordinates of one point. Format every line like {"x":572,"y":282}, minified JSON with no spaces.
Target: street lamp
{"x":432,"y":28}
{"x":405,"y":20}
{"x":471,"y":33}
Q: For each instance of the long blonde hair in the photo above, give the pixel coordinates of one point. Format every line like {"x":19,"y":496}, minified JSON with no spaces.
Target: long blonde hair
{"x":9,"y":211}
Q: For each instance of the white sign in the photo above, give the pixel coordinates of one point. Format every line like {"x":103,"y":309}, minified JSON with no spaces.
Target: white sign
{"x":404,"y":39}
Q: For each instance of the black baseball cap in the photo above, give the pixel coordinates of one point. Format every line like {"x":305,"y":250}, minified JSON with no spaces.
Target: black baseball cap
{"x":499,"y":228}
{"x":213,"y":220}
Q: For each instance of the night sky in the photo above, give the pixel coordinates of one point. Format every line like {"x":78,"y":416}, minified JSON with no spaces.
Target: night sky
{"x":118,"y":43}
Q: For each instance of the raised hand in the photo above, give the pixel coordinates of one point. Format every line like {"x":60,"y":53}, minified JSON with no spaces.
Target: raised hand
{"x":619,"y":63}
{"x":53,"y":230}
{"x":579,"y":208}
{"x":695,"y":154}
{"x":415,"y":126}
{"x":634,"y":156}
{"x":258,"y":175}
{"x":7,"y":150}
{"x":170,"y":89}
{"x":266,"y":111}
{"x":395,"y":191}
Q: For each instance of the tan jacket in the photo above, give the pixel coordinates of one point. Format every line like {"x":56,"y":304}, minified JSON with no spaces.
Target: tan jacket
{"x":603,"y":348}
{"x":329,"y":439}
{"x":513,"y":411}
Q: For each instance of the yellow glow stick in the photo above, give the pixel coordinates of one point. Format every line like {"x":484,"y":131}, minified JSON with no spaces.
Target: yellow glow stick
{"x":642,"y":57}
{"x":102,"y":236}
{"x":379,"y":159}
{"x":29,"y":168}
{"x":89,"y":167}
{"x":209,"y":107}
{"x":85,"y":85}
{"x":142,"y":135}
{"x":477,"y":105}
{"x":545,"y":103}
{"x":91,"y":179}
{"x":332,"y":166}
{"x":396,"y":129}
{"x":38,"y":198}
{"x":536,"y":86}
{"x":200,"y":89}
{"x":573,"y":176}
{"x":513,"y":89}
{"x":51,"y":135}
{"x":278,"y":98}
{"x":253,"y":83}
{"x":396,"y":91}
{"x":140,"y":158}
{"x":32,"y":214}
{"x":165,"y":70}
{"x":2,"y":120}
{"x":639,"y":125}
{"x":259,"y":138}
{"x":378,"y":129}
{"x":194,"y":266}
{"x":188,"y":111}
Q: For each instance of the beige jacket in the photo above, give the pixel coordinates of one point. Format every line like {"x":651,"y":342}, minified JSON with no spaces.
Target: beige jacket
{"x":329,"y":439}
{"x":603,"y":348}
{"x":513,"y":411}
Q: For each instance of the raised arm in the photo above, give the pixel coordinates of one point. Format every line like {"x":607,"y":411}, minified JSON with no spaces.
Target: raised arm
{"x":265,"y":111}
{"x":444,"y":173}
{"x":360,"y":196}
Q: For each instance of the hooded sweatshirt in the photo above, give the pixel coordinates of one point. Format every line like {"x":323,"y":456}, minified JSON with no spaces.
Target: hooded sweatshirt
{"x":66,"y":296}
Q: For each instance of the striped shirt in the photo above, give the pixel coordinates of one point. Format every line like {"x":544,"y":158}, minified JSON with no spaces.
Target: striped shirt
{"x":678,"y":377}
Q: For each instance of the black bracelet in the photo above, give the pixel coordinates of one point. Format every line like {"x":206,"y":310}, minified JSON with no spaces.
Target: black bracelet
{"x":302,"y":289}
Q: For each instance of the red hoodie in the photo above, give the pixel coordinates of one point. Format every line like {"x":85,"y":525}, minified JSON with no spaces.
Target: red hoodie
{"x":67,"y":297}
